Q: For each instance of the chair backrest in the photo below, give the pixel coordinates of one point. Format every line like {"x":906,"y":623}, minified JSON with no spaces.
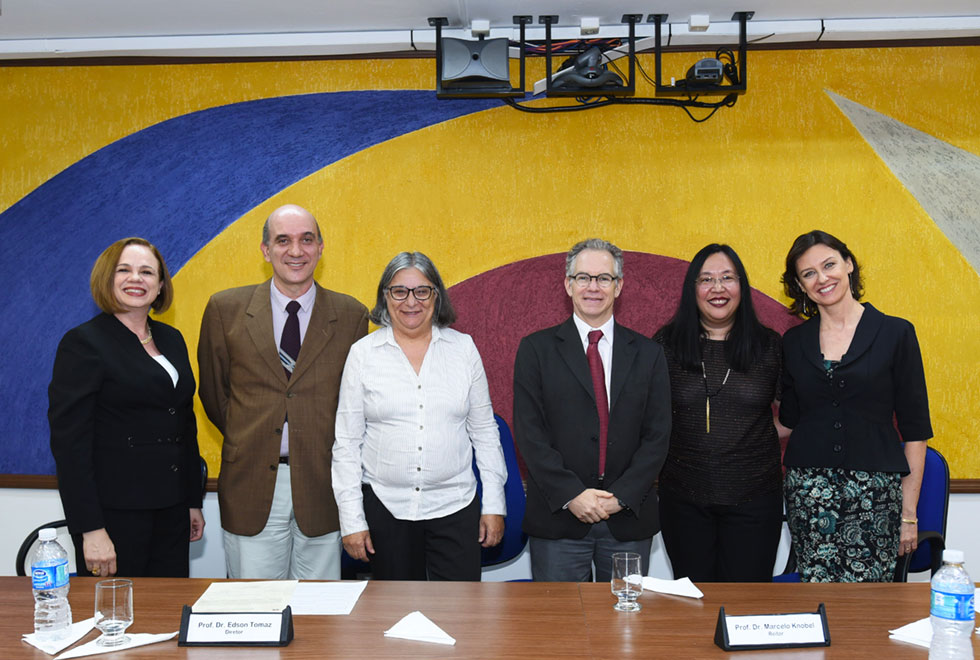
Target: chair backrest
{"x":30,"y":543}
{"x":933,"y":506}
{"x":514,"y":537}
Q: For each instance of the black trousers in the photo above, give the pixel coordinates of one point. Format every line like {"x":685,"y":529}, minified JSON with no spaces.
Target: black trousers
{"x":721,"y":542}
{"x":148,"y":542}
{"x":438,"y":549}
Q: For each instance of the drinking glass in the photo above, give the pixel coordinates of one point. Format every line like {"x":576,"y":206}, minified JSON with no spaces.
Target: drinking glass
{"x":627,"y":581}
{"x":113,"y":610}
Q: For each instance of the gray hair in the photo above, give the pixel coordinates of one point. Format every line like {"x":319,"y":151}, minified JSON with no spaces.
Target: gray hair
{"x":444,"y":314}
{"x":292,"y":207}
{"x":594,"y":244}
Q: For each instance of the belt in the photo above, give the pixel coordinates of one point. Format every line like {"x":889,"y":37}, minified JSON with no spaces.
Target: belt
{"x":284,"y":460}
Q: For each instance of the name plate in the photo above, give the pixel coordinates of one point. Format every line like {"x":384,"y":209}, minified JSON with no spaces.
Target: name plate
{"x":772,"y":631}
{"x":235,"y":628}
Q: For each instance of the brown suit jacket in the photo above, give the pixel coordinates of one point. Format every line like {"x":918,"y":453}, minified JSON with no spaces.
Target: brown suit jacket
{"x":246,"y":394}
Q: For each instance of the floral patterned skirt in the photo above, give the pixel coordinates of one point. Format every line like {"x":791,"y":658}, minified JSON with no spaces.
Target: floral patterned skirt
{"x":845,"y":523}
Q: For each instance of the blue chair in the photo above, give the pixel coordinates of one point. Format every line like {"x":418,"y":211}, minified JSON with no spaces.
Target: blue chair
{"x":931,"y":512}
{"x":514,"y":538}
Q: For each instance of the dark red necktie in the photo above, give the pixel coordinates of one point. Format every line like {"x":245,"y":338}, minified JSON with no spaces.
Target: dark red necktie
{"x":289,"y":344}
{"x":601,"y":402}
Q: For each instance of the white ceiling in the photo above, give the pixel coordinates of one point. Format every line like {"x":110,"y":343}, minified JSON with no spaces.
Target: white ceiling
{"x":85,"y":28}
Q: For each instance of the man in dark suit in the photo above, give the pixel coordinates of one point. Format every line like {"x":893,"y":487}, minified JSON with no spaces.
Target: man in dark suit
{"x":592,"y":420}
{"x":271,"y":357}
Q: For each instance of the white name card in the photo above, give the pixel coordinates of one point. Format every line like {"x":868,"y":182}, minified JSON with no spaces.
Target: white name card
{"x":235,"y":628}
{"x":762,"y":631}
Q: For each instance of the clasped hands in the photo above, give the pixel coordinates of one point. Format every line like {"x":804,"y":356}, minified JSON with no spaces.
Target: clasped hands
{"x":593,"y":505}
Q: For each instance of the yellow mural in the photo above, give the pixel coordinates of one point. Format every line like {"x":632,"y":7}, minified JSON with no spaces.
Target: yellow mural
{"x":501,"y":185}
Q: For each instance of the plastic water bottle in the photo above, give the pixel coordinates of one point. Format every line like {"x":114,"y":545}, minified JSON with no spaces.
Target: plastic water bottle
{"x":49,"y":575}
{"x":951,"y":612}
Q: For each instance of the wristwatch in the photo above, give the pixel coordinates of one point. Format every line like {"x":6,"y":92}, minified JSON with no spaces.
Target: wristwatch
{"x":623,"y":504}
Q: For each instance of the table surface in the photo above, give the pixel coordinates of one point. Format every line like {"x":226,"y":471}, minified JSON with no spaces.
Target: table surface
{"x":517,"y":620}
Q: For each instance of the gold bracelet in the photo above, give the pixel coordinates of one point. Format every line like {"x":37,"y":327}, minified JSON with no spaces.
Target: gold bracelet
{"x":910,"y":521}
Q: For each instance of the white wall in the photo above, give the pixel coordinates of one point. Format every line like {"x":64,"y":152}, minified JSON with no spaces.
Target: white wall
{"x":21,"y":510}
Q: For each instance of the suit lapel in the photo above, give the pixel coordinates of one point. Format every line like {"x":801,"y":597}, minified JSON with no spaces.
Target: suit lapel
{"x":811,"y":342}
{"x":570,"y":350}
{"x":624,"y":352}
{"x":864,"y":333}
{"x":318,"y":332}
{"x":259,"y":325}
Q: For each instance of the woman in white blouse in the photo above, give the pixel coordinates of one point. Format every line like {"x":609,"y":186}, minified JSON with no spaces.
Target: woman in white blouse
{"x":414,"y":410}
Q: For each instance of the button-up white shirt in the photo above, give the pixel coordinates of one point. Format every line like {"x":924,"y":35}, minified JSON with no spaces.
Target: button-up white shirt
{"x":412,"y":437}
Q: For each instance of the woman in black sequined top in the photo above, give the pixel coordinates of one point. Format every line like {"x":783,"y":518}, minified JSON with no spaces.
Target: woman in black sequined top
{"x":720,"y":488}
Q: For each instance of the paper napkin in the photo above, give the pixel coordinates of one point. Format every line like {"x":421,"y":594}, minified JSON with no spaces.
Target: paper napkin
{"x":682,"y":587}
{"x":418,"y":627}
{"x":78,"y":630}
{"x":135,"y":639}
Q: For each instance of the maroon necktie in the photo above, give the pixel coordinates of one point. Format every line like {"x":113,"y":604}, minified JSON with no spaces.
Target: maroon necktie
{"x":601,"y":402}
{"x":289,"y":344}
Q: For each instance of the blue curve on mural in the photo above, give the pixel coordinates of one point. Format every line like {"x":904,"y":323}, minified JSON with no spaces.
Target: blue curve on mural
{"x":178,"y":183}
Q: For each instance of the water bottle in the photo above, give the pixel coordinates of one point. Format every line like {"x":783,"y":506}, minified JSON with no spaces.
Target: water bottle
{"x":49,"y":576}
{"x":951,"y":612}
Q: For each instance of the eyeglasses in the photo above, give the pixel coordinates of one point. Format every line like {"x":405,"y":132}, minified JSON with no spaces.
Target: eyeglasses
{"x":604,"y":280}
{"x":400,"y":293}
{"x":708,"y":282}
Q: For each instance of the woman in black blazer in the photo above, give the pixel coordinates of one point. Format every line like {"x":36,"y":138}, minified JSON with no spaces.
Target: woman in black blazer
{"x":851,"y":484}
{"x":123,"y":431}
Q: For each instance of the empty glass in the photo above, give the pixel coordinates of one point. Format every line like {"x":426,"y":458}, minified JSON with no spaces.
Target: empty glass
{"x":113,"y":610}
{"x":627,"y":581}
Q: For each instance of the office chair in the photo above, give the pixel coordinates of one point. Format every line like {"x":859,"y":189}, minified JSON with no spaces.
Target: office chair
{"x":514,"y":537}
{"x":30,"y":544}
{"x":931,"y":512}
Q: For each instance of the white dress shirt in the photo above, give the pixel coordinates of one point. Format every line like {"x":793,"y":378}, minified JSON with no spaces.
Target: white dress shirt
{"x":604,"y":345}
{"x":279,"y":316}
{"x":412,"y":437}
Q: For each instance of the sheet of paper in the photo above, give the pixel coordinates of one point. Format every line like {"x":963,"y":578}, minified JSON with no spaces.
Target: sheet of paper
{"x":326,"y":597}
{"x":267,"y":596}
{"x":135,"y":639}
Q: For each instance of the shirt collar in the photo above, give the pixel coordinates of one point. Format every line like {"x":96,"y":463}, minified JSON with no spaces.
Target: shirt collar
{"x":385,"y":335}
{"x":280,"y":299}
{"x":584,"y":328}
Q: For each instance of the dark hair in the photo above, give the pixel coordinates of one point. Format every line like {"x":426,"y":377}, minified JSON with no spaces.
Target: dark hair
{"x":104,"y":273}
{"x":444,"y":314}
{"x":802,"y":306}
{"x":682,"y":335}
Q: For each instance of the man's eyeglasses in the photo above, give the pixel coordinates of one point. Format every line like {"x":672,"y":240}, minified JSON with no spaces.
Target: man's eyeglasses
{"x":605,"y":280}
{"x":400,"y":293}
{"x":707,"y":282}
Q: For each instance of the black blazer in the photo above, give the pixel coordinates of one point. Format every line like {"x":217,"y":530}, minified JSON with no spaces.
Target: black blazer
{"x":846,"y":421}
{"x":557,"y":429}
{"x":123,"y":437}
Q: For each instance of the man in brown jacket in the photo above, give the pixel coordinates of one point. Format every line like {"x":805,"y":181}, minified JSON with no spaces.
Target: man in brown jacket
{"x":271,"y":357}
